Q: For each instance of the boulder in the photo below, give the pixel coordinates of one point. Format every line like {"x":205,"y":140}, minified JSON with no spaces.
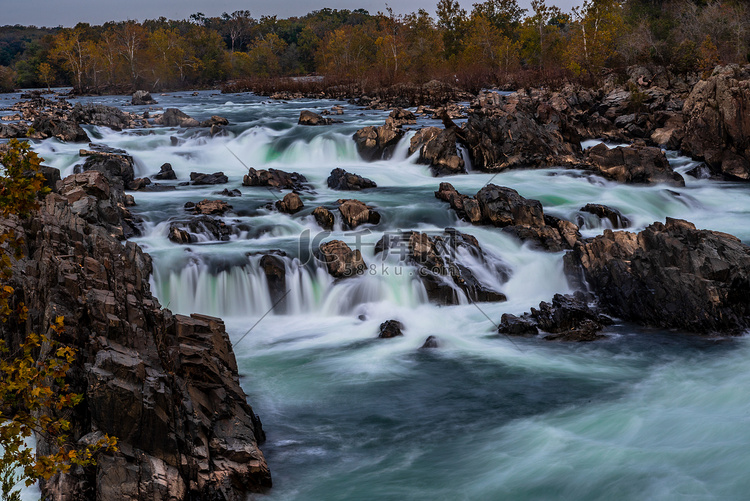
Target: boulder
{"x":274,"y":178}
{"x":614,"y":216}
{"x":173,"y":117}
{"x":355,"y":213}
{"x":101,"y":115}
{"x":118,"y":169}
{"x":142,"y":97}
{"x":376,"y":143}
{"x":198,"y":178}
{"x":64,"y":130}
{"x":226,"y":192}
{"x":215,"y":121}
{"x":209,"y":207}
{"x":340,"y":260}
{"x":342,"y":180}
{"x":505,"y":208}
{"x":717,"y":124}
{"x":290,"y":204}
{"x":307,"y":117}
{"x":670,"y":135}
{"x":200,"y":229}
{"x":632,"y":164}
{"x":275,"y":270}
{"x":430,"y":342}
{"x":166,"y":173}
{"x":567,"y":318}
{"x":668,"y":275}
{"x":440,"y":151}
{"x":391,"y":328}
{"x":325,"y":218}
{"x":400,"y":117}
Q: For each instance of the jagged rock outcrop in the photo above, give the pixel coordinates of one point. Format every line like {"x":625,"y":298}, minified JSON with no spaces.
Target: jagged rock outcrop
{"x":441,"y":153}
{"x":635,"y":164}
{"x":118,"y":169}
{"x":400,"y":117}
{"x":65,"y":130}
{"x":346,"y":181}
{"x":166,"y":385}
{"x":717,"y":122}
{"x":567,"y":318}
{"x":340,"y":260}
{"x":274,"y":178}
{"x":107,"y":116}
{"x":376,"y":143}
{"x":438,"y":264}
{"x":355,"y":213}
{"x":505,"y":208}
{"x":668,"y":275}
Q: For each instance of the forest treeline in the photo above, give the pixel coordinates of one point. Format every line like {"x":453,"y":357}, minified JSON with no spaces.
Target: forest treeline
{"x":491,"y":44}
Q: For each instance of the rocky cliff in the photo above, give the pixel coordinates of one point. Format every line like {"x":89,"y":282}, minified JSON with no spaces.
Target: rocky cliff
{"x":165,"y":385}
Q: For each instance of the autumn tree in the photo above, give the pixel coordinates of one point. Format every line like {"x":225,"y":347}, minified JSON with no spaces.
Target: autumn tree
{"x":598,"y":24}
{"x":424,"y":46}
{"x":451,"y":19}
{"x":70,"y":47}
{"x":33,"y":389}
{"x":505,"y":15}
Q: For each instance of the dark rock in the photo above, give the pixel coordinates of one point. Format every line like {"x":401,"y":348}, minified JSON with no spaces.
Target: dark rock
{"x":226,"y":192}
{"x":430,"y":342}
{"x":99,"y":114}
{"x":118,"y":169}
{"x":275,"y":271}
{"x":200,"y":228}
{"x":340,"y":260}
{"x":166,"y":173}
{"x":633,"y":164}
{"x":400,"y":117}
{"x":505,"y":208}
{"x":567,"y":318}
{"x":438,"y":265}
{"x":290,"y":204}
{"x":671,"y":134}
{"x":391,"y":328}
{"x":139,"y":183}
{"x":64,"y":130}
{"x":198,"y":178}
{"x":9,"y":131}
{"x":375,"y":143}
{"x":142,"y":97}
{"x":717,"y":127}
{"x":51,"y":176}
{"x":668,"y":275}
{"x":355,"y":213}
{"x":342,"y":180}
{"x":614,"y":216}
{"x":324,"y":218}
{"x":215,"y":121}
{"x":173,"y":117}
{"x":440,"y":152}
{"x":275,"y":178}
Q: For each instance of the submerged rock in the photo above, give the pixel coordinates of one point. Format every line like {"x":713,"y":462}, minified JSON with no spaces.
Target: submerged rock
{"x":307,"y":117}
{"x":209,"y":207}
{"x":166,"y":173}
{"x":173,"y":117}
{"x":430,"y":342}
{"x":668,"y":275}
{"x":614,"y":216}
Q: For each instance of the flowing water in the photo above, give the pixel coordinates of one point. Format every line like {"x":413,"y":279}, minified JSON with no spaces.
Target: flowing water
{"x":643,"y":414}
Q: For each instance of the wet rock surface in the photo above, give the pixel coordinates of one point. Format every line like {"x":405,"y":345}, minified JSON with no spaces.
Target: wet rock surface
{"x":669,"y":275}
{"x":391,"y":328}
{"x":290,"y":204}
{"x":274,"y":178}
{"x":633,"y":165}
{"x":345,"y":181}
{"x":566,"y":318}
{"x":325,"y":218}
{"x":199,"y":178}
{"x":505,"y":208}
{"x":354,"y":213}
{"x":307,"y":117}
{"x":340,"y":260}
{"x":166,"y":385}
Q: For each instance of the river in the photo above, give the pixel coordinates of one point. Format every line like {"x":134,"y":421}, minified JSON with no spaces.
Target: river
{"x":642,"y":414}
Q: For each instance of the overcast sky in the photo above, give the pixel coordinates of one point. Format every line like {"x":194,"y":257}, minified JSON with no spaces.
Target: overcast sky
{"x":70,"y":12}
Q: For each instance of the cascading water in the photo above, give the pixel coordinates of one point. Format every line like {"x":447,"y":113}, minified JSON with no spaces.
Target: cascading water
{"x":349,"y":416}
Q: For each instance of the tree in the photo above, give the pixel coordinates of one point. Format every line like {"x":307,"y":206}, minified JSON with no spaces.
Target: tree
{"x":236,"y":26}
{"x":69,"y":46}
{"x":33,"y":390}
{"x":598,"y":25}
{"x":46,"y":74}
{"x":505,"y":15}
{"x":452,"y":20}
